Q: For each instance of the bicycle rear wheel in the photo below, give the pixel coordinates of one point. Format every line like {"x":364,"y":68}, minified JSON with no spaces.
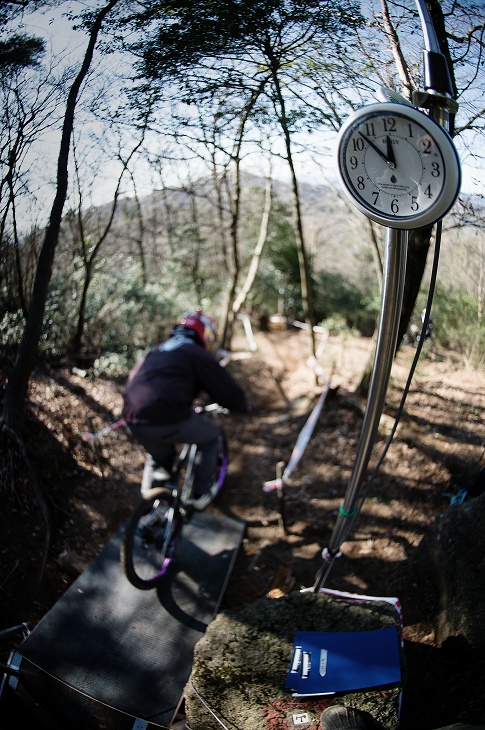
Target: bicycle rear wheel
{"x":150,"y":539}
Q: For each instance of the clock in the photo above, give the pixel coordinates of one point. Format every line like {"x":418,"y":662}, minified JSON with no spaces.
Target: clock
{"x":397,"y":165}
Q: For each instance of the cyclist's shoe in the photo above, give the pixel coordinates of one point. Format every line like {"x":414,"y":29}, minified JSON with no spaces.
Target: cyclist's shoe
{"x":200,"y":503}
{"x":160,"y":474}
{"x":339,"y":717}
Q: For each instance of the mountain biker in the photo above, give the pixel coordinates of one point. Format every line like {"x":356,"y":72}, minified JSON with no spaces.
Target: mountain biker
{"x":159,"y":397}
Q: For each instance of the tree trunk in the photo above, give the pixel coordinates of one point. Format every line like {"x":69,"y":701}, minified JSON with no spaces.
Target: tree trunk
{"x":89,"y":253}
{"x":258,"y":249}
{"x":16,"y":389}
{"x":419,"y":240}
{"x":417,"y":256}
{"x":228,"y":326}
{"x":305,"y":274}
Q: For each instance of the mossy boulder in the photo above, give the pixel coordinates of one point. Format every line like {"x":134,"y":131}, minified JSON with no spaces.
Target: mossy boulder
{"x":240,"y":664}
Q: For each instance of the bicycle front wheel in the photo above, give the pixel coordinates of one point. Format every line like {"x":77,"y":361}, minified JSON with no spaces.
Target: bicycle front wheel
{"x":150,"y":539}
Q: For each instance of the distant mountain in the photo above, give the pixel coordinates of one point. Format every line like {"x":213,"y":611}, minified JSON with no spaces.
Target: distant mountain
{"x":338,"y":236}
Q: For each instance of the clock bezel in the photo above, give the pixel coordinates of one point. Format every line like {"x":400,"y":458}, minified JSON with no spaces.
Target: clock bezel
{"x":452,"y":173}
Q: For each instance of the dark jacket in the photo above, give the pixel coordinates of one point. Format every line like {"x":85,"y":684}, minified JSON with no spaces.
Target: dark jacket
{"x":162,"y":387}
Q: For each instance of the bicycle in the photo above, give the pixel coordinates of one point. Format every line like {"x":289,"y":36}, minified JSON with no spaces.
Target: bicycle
{"x":153,"y":531}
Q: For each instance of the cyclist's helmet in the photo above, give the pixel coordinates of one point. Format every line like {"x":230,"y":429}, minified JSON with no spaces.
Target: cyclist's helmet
{"x":202,"y":325}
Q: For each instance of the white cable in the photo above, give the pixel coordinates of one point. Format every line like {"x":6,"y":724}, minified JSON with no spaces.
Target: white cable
{"x":206,"y":705}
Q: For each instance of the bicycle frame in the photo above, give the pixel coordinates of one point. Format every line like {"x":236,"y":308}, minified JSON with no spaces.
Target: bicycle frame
{"x":152,"y":533}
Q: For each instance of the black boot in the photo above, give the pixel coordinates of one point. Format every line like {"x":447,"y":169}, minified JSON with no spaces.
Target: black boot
{"x":338,"y":717}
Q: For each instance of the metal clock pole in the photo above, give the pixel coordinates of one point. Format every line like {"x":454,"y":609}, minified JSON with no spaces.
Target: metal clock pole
{"x":437,"y":99}
{"x":392,"y":291}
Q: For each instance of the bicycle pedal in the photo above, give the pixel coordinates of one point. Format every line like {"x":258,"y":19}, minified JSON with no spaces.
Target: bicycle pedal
{"x":200,"y":503}
{"x":147,"y":521}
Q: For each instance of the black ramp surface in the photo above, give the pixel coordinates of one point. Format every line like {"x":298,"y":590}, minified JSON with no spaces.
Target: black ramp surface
{"x":132,"y":649}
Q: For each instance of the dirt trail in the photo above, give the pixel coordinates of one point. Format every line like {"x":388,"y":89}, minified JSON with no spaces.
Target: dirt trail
{"x":90,"y":492}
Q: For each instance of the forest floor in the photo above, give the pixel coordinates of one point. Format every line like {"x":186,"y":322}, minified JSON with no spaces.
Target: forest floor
{"x":91,"y":486}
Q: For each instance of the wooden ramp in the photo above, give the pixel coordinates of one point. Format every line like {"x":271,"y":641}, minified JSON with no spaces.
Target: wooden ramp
{"x":108,"y":655}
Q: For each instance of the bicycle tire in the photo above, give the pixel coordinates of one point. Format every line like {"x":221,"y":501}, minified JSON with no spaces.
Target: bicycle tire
{"x":151,"y":537}
{"x":222,"y":466}
{"x":222,"y":461}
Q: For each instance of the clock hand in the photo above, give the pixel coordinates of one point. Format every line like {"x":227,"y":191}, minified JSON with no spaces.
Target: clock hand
{"x":390,"y":162}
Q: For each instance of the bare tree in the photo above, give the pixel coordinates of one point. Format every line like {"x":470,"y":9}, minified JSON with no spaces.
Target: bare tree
{"x":17,"y":384}
{"x":89,"y":245}
{"x":262,"y":45}
{"x":28,"y":99}
{"x":258,"y":249}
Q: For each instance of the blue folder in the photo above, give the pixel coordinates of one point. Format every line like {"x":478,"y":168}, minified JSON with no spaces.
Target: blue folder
{"x":327,"y":662}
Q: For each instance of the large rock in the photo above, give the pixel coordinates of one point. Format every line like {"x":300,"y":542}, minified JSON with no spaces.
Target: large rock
{"x":451,"y":559}
{"x":241,"y":662}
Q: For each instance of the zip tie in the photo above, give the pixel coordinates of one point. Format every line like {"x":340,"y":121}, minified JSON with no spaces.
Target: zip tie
{"x":343,"y":513}
{"x":227,"y":356}
{"x":95,"y":436}
{"x":273,"y":484}
{"x":327,"y":555}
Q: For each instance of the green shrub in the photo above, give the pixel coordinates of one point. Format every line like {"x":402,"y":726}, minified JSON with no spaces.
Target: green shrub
{"x":338,"y":299}
{"x":456,"y":325}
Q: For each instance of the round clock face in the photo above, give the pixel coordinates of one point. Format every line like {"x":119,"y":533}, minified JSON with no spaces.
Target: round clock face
{"x":398,"y":166}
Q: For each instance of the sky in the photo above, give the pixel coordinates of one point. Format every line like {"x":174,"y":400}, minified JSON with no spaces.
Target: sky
{"x":70,"y":46}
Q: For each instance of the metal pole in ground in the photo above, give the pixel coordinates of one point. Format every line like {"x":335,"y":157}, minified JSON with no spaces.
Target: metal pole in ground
{"x":390,"y":311}
{"x":437,"y":99}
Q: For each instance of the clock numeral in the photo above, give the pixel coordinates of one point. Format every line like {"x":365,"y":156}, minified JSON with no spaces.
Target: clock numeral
{"x":357,"y":144}
{"x":353,"y":162}
{"x":360,"y":183}
{"x":410,"y":130}
{"x":389,"y":124}
{"x":428,"y":192}
{"x":394,"y":206}
{"x":414,"y":204}
{"x":436,"y":172}
{"x":375,"y":193}
{"x":426,"y":145}
{"x":369,"y":129}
